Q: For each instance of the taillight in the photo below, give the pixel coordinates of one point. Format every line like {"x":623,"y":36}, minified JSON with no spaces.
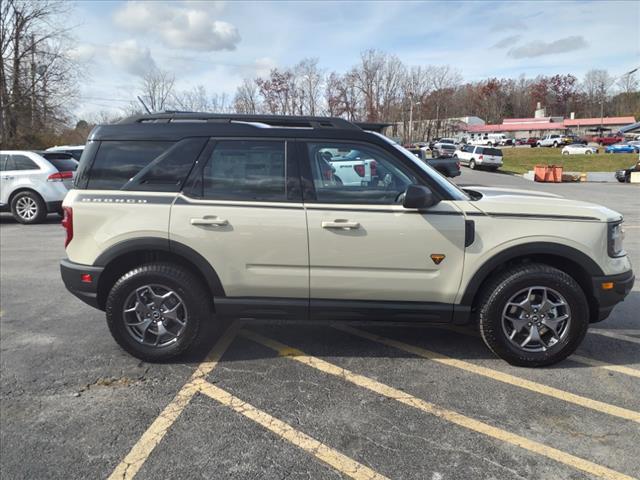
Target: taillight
{"x":59,"y":176}
{"x":359,"y":170}
{"x":480,"y":157}
{"x":67,"y":224}
{"x":374,"y":168}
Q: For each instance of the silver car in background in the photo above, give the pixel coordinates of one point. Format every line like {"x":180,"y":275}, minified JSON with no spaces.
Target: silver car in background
{"x":33,"y":184}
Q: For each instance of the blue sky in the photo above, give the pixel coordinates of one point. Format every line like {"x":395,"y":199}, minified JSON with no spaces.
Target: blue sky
{"x":216,"y":44}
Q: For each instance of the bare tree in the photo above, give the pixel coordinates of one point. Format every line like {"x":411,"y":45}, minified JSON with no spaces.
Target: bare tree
{"x":37,"y":76}
{"x":310,"y":81}
{"x":193,"y":100}
{"x":246,"y":98}
{"x":595,"y":87}
{"x":157,"y":89}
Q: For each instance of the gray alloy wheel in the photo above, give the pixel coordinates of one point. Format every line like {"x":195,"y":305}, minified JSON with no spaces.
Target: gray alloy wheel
{"x":26,"y":208}
{"x":155,"y":315}
{"x":536,"y":318}
{"x":472,"y":164}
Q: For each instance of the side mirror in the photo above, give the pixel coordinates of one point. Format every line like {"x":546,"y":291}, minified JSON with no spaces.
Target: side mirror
{"x":418,"y":196}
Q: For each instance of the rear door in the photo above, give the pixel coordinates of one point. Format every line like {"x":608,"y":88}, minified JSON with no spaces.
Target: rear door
{"x":242,"y":211}
{"x":365,"y":248}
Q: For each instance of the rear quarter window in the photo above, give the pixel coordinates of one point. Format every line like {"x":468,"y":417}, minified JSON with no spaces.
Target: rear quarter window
{"x":143,"y":165}
{"x":21,"y":162}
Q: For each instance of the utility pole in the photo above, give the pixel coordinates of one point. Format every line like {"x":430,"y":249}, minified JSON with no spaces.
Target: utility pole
{"x":411,"y":103}
{"x":33,"y":81}
{"x":410,"y":117}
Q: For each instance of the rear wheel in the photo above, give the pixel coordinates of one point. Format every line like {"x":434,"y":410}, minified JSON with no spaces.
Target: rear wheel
{"x":472,"y":164}
{"x":588,"y":152}
{"x":154,"y":311}
{"x":565,"y":153}
{"x":533,"y":315}
{"x":28,"y":208}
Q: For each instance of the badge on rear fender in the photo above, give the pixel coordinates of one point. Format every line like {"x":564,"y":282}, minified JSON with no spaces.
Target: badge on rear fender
{"x":437,"y":258}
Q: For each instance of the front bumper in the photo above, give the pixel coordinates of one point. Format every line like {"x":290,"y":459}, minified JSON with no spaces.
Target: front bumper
{"x":72,"y":276}
{"x":609,"y":298}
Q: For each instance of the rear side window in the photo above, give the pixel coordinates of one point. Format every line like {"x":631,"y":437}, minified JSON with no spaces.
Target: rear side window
{"x":21,"y":162}
{"x":246,"y":170}
{"x":143,"y":165}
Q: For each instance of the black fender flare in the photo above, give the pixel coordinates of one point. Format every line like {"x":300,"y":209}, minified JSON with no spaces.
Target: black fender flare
{"x":523,"y":251}
{"x":166,"y":245}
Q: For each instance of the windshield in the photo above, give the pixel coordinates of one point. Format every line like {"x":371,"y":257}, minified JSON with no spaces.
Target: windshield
{"x":451,"y":188}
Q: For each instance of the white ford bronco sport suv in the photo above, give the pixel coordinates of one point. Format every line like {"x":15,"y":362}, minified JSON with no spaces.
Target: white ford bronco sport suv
{"x":176,"y":217}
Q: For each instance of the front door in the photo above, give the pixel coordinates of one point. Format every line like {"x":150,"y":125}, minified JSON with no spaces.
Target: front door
{"x":245,"y":216}
{"x":365,"y":248}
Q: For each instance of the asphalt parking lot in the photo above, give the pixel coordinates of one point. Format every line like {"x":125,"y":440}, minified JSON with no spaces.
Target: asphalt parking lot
{"x":285,"y":400}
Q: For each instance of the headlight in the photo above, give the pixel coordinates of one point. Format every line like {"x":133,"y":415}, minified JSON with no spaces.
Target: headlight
{"x":615,"y":236}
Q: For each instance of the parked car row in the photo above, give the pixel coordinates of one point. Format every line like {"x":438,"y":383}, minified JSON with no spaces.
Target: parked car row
{"x":34,"y":183}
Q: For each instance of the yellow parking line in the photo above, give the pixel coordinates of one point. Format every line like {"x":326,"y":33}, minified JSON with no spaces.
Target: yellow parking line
{"x":577,"y":358}
{"x":607,"y":366}
{"x":335,"y":459}
{"x":139,"y":453}
{"x":449,"y":415}
{"x":617,"y":336}
{"x":499,"y":376}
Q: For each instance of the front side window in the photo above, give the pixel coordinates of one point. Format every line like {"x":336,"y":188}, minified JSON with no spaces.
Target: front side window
{"x":356,"y":174}
{"x":22,"y":162}
{"x":252,"y":170}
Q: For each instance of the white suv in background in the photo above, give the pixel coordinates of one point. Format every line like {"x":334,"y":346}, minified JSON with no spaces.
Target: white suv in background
{"x":34,"y":184}
{"x":73,"y":150}
{"x":474,"y":157}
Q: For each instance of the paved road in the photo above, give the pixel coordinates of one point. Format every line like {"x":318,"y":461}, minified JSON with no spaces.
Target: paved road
{"x":397,"y":402}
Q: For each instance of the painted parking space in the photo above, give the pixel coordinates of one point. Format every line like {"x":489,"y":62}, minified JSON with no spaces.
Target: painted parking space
{"x":350,"y":422}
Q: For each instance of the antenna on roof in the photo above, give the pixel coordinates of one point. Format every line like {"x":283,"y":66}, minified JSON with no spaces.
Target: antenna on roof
{"x":144,"y":105}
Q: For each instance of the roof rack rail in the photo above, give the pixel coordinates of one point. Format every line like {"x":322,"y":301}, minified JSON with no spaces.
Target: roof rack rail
{"x":284,"y":121}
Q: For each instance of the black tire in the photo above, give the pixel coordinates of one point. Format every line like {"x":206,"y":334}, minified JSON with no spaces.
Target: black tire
{"x":18,"y":204}
{"x":627,"y":178}
{"x":190,"y":290}
{"x":472,"y":164}
{"x":499,"y":290}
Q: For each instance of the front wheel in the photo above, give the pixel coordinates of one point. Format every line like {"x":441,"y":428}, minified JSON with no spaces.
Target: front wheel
{"x":154,"y":311}
{"x":533,"y":315}
{"x":588,"y":152}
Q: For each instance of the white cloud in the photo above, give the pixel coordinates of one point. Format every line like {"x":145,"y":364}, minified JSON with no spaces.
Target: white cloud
{"x":507,"y":41}
{"x":131,"y":57}
{"x":510,"y":24}
{"x":81,"y":53}
{"x":261,"y":67}
{"x":539,"y":48}
{"x":189,"y":25}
